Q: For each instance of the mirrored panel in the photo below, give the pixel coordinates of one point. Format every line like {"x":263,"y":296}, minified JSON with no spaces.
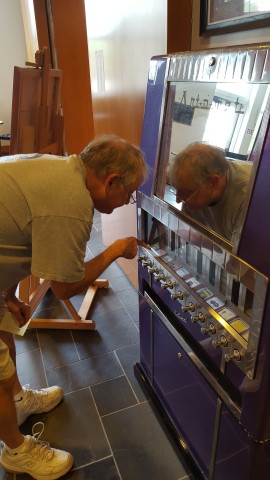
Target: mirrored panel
{"x":226,"y":115}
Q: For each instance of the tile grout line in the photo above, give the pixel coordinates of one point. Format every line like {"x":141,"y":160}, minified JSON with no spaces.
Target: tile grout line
{"x":115,"y":352}
{"x":93,"y":385}
{"x":131,"y":318}
{"x":89,"y":358}
{"x":123,"y":409}
{"x":105,"y":433}
{"x":77,"y":351}
{"x":42,"y":359}
{"x":93,"y":463}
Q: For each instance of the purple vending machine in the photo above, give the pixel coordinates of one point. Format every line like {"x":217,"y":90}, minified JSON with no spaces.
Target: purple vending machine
{"x":204,"y":298}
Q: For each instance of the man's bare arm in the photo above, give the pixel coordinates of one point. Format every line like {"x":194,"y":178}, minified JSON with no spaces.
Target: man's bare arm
{"x":125,"y":247}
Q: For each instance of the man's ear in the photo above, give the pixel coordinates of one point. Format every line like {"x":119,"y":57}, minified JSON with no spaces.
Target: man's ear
{"x":214,"y":180}
{"x":111,"y":180}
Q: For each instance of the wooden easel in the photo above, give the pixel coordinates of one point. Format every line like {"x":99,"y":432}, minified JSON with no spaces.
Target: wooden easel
{"x":32,"y":290}
{"x":37,"y":126}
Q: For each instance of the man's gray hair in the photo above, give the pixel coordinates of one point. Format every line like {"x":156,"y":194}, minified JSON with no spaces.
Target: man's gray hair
{"x":201,"y":161}
{"x":112,"y":154}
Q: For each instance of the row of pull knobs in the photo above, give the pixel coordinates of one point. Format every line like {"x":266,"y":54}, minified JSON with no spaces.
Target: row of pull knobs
{"x":157,"y":276}
{"x":211,"y":329}
{"x":174,"y":296}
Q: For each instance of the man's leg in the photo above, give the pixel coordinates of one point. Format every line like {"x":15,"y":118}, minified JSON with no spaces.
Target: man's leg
{"x":9,"y":430}
{"x":19,"y":453}
{"x":8,"y":339}
{"x":28,"y":401}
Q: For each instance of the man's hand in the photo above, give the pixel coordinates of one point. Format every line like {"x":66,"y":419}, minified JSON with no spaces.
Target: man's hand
{"x":127,"y":247}
{"x":19,"y":309}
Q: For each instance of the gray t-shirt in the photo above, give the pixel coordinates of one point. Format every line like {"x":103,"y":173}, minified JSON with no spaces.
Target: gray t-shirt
{"x":46,"y":217}
{"x":223,"y":217}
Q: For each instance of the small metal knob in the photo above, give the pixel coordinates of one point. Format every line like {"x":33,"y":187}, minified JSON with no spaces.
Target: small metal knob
{"x":160,"y":277}
{"x":210,"y":329}
{"x":179,"y":355}
{"x":180,"y":295}
{"x":222,"y":341}
{"x":191,"y":307}
{"x":153,"y":269}
{"x":198,"y":318}
{"x":142,"y":257}
{"x":235,"y":355}
{"x":147,"y":263}
{"x":167,"y":285}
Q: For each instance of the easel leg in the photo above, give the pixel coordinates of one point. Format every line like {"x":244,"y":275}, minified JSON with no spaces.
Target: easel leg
{"x":32,"y":290}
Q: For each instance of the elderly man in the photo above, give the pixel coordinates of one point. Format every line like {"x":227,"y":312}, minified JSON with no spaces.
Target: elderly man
{"x":46,"y":211}
{"x":212,"y":188}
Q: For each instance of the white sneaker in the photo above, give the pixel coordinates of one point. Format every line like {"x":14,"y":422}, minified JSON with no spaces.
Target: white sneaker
{"x":37,"y":401}
{"x":36,"y":458}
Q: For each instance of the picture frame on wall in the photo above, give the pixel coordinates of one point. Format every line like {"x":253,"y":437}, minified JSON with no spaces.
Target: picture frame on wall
{"x":224,"y":16}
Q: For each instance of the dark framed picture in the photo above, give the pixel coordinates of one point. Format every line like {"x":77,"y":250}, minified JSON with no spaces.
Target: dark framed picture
{"x":183,"y":113}
{"x":223,"y":16}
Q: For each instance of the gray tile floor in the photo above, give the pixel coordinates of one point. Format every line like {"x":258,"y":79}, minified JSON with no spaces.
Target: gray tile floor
{"x":105,"y":420}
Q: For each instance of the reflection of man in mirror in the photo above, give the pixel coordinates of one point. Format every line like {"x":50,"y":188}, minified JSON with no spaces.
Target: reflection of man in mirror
{"x":212,"y":188}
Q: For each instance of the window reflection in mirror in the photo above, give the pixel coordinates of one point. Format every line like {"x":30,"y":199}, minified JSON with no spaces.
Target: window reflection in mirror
{"x":223,"y":115}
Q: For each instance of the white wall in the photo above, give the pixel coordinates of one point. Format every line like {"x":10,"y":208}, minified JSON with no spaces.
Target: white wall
{"x":256,"y":35}
{"x":12,"y":53}
{"x":125,"y":34}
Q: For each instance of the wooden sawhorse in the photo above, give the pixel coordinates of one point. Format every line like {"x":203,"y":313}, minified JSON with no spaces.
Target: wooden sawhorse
{"x":32,"y":290}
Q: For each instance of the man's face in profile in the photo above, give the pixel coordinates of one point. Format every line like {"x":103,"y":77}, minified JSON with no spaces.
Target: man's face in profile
{"x":112,"y":192}
{"x":195,"y":196}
